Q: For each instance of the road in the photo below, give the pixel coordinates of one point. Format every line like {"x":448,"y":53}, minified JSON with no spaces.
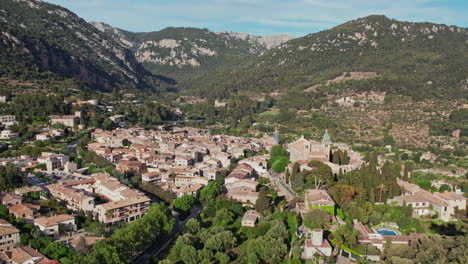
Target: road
{"x":145,"y":257}
{"x":71,"y":147}
{"x":283,"y":186}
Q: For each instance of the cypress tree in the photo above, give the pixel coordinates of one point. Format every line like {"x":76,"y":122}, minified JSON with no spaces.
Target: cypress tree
{"x":345,"y":160}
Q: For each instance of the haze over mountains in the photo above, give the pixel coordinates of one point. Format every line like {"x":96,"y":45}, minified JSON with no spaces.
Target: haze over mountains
{"x":417,"y":59}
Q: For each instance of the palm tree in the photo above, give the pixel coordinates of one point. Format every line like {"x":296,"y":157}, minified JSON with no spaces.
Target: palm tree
{"x":382,"y":188}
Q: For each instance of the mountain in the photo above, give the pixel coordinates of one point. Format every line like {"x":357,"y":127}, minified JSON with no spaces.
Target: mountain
{"x":39,"y":37}
{"x":416,"y":59}
{"x":182,"y":52}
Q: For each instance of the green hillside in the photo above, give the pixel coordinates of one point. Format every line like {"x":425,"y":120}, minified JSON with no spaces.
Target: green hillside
{"x":422,"y":60}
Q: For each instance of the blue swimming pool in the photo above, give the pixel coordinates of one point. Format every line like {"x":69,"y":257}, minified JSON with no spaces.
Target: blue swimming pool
{"x":386,"y":231}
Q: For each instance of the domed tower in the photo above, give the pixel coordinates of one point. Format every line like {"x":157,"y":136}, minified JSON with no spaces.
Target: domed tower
{"x":326,"y":140}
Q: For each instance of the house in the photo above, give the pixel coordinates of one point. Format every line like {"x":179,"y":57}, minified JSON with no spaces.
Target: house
{"x":250,"y":218}
{"x":151,"y":177}
{"x":242,"y":171}
{"x":191,"y":189}
{"x":367,"y":236}
{"x":425,"y":203}
{"x":316,"y":245}
{"x":183,"y":161}
{"x":66,"y":120}
{"x":10,"y":199}
{"x":8,"y":134}
{"x":9,"y":236}
{"x":53,"y":161}
{"x":7,"y":120}
{"x":27,"y":255}
{"x":24,"y":211}
{"x":131,"y":165}
{"x":49,"y":226}
{"x":53,"y":134}
{"x":243,"y":195}
{"x":317,"y":198}
{"x":454,"y":200}
{"x":242,"y":183}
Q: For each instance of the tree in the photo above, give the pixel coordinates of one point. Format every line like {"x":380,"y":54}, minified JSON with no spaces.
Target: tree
{"x":336,"y":157}
{"x":210,"y":191}
{"x":279,"y":158}
{"x":382,"y":189}
{"x":263,"y":201}
{"x":445,"y":188}
{"x":345,"y":160}
{"x":317,"y":218}
{"x":222,"y":241}
{"x":192,"y":226}
{"x":279,"y":165}
{"x":223,"y":217}
{"x":58,"y":250}
{"x":189,"y":255}
{"x":82,"y":247}
{"x":184,"y":203}
{"x":322,"y":172}
{"x":222,"y":257}
{"x":126,"y":142}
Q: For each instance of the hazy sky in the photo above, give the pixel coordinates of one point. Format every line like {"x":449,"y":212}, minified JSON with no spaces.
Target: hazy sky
{"x":261,"y":17}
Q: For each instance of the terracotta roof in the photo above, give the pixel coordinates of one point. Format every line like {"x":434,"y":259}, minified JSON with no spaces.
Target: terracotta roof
{"x":54,"y":220}
{"x":23,"y":254}
{"x":123,"y":203}
{"x":90,"y":240}
{"x":451,"y":196}
{"x":19,"y":208}
{"x":325,"y":244}
{"x":6,"y":228}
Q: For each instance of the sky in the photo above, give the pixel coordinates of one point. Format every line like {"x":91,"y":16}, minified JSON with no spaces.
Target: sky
{"x":261,"y":17}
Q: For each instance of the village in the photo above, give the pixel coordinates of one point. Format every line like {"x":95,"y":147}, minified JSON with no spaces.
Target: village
{"x":182,"y":161}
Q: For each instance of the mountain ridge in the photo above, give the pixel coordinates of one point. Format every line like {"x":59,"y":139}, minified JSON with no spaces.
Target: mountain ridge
{"x":182,"y":51}
{"x":51,"y":38}
{"x":413,"y":58}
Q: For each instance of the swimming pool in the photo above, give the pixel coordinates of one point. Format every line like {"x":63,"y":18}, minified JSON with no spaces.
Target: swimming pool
{"x":387,"y":231}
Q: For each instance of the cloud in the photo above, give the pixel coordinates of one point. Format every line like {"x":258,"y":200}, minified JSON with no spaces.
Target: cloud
{"x":298,"y":17}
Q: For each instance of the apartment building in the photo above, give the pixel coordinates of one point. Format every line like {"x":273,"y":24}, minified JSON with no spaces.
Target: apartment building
{"x":76,"y":200}
{"x":124,"y":210}
{"x":124,"y":203}
{"x":9,"y":236}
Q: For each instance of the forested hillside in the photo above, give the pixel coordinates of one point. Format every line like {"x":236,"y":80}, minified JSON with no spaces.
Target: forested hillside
{"x":423,"y":60}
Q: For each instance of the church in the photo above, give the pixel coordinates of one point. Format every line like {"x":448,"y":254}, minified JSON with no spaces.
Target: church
{"x":304,"y":149}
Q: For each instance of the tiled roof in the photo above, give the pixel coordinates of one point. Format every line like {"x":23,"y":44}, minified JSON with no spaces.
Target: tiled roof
{"x":6,"y":228}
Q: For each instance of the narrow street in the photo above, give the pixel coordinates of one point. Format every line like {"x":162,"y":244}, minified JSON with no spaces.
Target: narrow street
{"x":283,"y":186}
{"x":155,"y":250}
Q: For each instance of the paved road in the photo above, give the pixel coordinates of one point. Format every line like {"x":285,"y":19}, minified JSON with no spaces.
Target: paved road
{"x":71,"y":147}
{"x":154,"y":251}
{"x":283,"y":186}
